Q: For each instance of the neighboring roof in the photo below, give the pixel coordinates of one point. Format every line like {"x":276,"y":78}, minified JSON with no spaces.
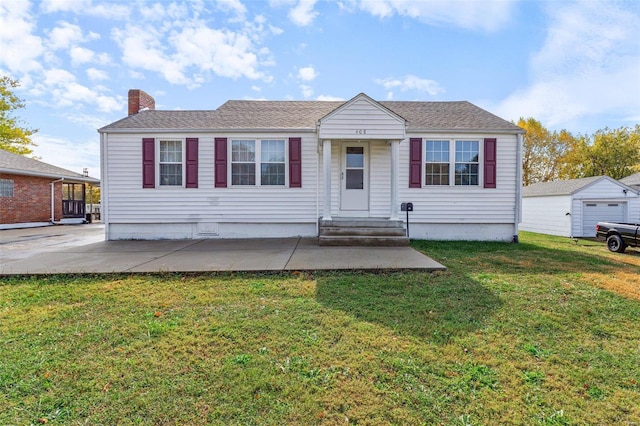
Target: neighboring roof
{"x":563,"y":187}
{"x":20,"y":165}
{"x":631,"y":180}
{"x":459,"y":115}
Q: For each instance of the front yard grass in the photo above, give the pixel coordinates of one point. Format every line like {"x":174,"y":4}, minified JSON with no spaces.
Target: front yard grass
{"x":544,"y":332}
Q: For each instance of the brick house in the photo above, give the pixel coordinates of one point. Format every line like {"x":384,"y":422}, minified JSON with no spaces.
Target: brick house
{"x":33,"y":193}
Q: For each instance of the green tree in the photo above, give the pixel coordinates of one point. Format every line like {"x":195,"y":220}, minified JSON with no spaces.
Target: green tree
{"x":13,"y":136}
{"x":543,"y":151}
{"x":611,"y":152}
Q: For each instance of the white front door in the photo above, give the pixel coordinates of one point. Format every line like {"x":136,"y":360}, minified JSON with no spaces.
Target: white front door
{"x":354,"y":179}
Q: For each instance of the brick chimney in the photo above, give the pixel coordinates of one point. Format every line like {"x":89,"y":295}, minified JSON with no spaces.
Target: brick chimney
{"x":139,"y":100}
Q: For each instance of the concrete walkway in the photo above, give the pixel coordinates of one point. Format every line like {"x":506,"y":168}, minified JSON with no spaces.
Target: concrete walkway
{"x":26,"y":254}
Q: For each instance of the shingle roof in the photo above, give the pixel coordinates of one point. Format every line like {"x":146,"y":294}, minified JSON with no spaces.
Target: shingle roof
{"x":559,"y":187}
{"x":459,"y":115}
{"x":632,"y":180}
{"x":20,"y":165}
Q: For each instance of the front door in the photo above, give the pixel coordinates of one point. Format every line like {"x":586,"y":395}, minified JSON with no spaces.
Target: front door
{"x":354,"y":179}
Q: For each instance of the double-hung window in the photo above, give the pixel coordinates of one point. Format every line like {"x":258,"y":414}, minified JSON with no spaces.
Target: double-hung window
{"x":437,"y":163}
{"x":259,"y":163}
{"x":461,"y":169}
{"x":170,"y":162}
{"x":467,"y":165}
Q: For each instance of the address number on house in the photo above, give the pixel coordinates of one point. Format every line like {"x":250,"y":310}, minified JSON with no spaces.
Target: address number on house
{"x":361,"y":131}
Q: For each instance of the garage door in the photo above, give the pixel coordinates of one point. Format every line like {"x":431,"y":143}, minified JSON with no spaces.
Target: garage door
{"x":595,"y":212}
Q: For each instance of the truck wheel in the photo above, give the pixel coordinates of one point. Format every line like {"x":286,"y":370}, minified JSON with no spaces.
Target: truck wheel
{"x":615,"y":243}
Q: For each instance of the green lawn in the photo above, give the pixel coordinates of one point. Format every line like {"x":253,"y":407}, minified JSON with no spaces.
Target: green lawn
{"x":543,"y":332}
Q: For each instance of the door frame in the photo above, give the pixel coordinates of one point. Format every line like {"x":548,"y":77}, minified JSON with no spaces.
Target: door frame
{"x":349,"y":211}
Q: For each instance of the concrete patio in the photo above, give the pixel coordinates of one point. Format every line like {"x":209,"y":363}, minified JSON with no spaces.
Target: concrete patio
{"x":24,"y":253}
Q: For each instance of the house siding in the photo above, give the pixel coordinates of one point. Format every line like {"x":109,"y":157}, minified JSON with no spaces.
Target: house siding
{"x":453,"y":206}
{"x":547,"y":215}
{"x":181,"y":212}
{"x":361,"y":120}
{"x":31,"y":201}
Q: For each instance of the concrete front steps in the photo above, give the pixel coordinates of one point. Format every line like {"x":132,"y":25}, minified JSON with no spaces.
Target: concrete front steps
{"x":362,"y":232}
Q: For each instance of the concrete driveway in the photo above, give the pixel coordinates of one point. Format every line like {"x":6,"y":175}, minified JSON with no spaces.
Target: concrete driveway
{"x":82,"y":249}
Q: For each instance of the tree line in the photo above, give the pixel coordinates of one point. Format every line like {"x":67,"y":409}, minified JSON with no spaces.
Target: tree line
{"x":560,"y":155}
{"x":546,"y":156}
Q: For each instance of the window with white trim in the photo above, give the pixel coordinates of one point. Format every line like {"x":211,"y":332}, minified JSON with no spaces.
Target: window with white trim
{"x":170,"y":161}
{"x":461,"y":170}
{"x":467,"y":167}
{"x":437,"y":162}
{"x":258,"y":163}
{"x":6,"y":187}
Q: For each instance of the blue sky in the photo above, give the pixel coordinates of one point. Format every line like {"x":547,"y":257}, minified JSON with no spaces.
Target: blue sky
{"x":571,"y":65}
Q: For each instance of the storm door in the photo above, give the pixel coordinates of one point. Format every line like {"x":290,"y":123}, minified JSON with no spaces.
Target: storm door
{"x":354,"y":179}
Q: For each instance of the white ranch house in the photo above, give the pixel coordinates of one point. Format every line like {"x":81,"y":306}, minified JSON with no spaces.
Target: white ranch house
{"x":302,"y":168}
{"x":571,"y":208}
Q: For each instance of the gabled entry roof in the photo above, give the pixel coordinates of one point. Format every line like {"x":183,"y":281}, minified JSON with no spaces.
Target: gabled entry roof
{"x":304,"y":115}
{"x":362,"y":118}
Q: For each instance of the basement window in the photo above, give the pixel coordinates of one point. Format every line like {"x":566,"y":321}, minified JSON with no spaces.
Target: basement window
{"x":6,"y":187}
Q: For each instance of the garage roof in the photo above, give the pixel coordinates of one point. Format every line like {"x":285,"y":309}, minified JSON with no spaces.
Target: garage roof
{"x":564,"y":187}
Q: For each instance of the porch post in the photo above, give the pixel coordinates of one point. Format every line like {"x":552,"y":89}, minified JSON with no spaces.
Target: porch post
{"x":326,"y":157}
{"x":395,"y":152}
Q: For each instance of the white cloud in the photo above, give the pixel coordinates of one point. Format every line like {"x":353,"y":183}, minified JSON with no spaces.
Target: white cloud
{"x":411,"y":82}
{"x":474,"y":15}
{"x":329,"y":98}
{"x":86,"y":7}
{"x":65,"y":91}
{"x":65,"y":35}
{"x":232,"y":6}
{"x":307,"y":91}
{"x":588,"y":65}
{"x":20,"y":47}
{"x":303,"y":13}
{"x":69,"y":155}
{"x":97,"y":75}
{"x":307,"y":73}
{"x":183,"y":52}
{"x":81,"y":55}
{"x":88,"y":121}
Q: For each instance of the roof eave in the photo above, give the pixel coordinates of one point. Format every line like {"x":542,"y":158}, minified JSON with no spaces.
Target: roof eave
{"x":470,"y":130}
{"x":211,"y":130}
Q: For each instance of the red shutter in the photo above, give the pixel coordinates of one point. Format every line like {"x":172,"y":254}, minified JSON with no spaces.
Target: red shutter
{"x":221,"y":163}
{"x":490,"y":163}
{"x":415,"y":163}
{"x":192,"y":163}
{"x":148,"y":163}
{"x":295,"y":162}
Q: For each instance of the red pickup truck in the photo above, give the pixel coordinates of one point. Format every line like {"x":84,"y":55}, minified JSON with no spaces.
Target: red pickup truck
{"x":619,"y":236}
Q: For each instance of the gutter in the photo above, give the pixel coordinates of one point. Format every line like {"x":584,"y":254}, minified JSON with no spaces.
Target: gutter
{"x":53,"y":201}
{"x":205,"y":130}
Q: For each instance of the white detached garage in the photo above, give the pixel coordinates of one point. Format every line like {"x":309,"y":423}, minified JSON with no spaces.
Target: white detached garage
{"x":571,"y":208}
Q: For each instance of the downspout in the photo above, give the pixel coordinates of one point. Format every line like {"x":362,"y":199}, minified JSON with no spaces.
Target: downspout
{"x":53,"y":201}
{"x":518,"y":209}
{"x":104,"y":185}
{"x":318,"y":178}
